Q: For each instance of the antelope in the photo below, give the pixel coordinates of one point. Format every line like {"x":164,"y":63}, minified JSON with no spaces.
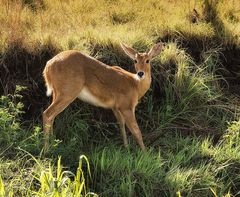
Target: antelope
{"x":72,"y":74}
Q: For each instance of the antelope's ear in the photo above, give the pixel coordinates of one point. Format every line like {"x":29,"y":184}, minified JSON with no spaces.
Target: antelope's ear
{"x":129,"y":51}
{"x":155,"y":50}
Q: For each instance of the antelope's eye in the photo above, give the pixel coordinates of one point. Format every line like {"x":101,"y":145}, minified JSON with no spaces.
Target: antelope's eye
{"x":147,"y":61}
{"x":135,"y":61}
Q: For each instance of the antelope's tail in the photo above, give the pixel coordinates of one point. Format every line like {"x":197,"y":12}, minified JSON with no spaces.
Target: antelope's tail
{"x":47,"y":81}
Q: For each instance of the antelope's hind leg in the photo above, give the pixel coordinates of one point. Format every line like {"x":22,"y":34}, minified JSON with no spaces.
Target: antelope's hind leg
{"x":49,"y":115}
{"x":60,"y":102}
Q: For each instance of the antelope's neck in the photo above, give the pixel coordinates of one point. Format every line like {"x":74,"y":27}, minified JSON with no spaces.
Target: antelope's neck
{"x":144,"y":85}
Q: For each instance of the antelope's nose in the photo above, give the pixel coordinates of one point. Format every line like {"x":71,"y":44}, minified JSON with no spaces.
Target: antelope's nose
{"x":140,"y":74}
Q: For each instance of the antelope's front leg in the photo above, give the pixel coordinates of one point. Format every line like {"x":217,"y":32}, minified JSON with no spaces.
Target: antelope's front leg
{"x":131,"y":122}
{"x":121,"y":122}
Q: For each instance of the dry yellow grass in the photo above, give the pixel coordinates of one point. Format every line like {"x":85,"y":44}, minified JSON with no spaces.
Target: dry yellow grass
{"x":74,"y":24}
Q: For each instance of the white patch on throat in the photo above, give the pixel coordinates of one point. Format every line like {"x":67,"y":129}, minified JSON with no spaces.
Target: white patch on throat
{"x":137,"y":77}
{"x":86,"y":96}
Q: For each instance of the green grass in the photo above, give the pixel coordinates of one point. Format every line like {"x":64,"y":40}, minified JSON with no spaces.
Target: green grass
{"x":177,"y":163}
{"x":189,"y":118}
{"x":40,"y":178}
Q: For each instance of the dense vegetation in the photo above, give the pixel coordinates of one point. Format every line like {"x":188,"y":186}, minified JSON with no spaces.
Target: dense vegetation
{"x":189,"y":118}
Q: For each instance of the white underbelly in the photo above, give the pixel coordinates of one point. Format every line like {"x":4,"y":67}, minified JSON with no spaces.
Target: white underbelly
{"x":86,"y":96}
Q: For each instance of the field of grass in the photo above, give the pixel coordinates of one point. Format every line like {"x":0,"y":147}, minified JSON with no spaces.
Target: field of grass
{"x":189,"y":118}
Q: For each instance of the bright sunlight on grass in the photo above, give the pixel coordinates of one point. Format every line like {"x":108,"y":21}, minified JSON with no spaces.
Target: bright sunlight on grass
{"x":189,"y":118}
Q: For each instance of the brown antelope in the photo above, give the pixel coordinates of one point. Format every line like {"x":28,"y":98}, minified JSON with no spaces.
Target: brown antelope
{"x":72,"y":74}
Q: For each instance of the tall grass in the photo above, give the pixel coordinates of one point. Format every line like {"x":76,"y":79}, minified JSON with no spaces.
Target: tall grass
{"x":123,"y":173}
{"x":125,"y":21}
{"x":186,"y":99}
{"x":39,"y":178}
{"x":189,"y":121}
{"x":186,"y":96}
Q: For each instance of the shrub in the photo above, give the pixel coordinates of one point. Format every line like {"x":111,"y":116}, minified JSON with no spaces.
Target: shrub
{"x":10,"y":111}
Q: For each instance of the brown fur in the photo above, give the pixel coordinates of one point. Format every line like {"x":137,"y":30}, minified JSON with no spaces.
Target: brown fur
{"x":70,"y":71}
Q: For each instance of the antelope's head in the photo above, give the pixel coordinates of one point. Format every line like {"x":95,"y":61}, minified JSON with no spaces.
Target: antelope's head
{"x":142,"y":60}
